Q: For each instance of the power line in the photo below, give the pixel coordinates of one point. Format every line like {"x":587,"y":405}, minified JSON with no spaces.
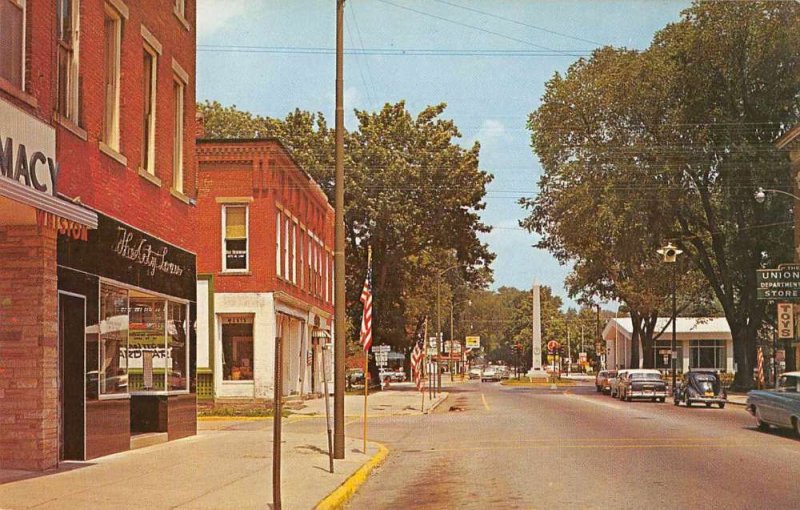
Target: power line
{"x":467,"y":25}
{"x":517,"y":22}
{"x":398,"y":52}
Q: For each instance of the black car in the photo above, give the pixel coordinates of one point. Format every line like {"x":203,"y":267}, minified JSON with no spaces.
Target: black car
{"x":700,"y":387}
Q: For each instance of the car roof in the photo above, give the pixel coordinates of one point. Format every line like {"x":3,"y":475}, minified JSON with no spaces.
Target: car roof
{"x":643,"y":371}
{"x":793,"y":374}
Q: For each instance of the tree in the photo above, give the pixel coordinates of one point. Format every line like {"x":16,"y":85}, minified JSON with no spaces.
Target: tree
{"x":687,"y":124}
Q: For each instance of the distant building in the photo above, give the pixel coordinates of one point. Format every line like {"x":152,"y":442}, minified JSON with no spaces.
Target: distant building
{"x":701,"y":342}
{"x":265,"y":270}
{"x":97,"y":285}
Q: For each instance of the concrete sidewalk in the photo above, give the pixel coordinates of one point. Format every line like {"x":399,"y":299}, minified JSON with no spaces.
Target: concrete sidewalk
{"x":400,"y":399}
{"x":227,"y":465}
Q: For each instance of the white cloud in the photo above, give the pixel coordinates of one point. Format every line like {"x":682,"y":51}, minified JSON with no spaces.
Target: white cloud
{"x":213,"y":15}
{"x":491,"y":131}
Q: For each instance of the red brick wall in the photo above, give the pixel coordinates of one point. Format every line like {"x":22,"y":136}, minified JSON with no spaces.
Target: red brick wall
{"x":264,"y":172}
{"x":28,"y":348}
{"x":101,"y":181}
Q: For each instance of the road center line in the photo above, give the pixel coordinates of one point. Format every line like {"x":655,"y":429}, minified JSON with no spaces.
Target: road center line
{"x":485,"y":404}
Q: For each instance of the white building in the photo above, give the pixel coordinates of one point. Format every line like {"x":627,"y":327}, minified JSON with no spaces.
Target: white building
{"x":703,"y":342}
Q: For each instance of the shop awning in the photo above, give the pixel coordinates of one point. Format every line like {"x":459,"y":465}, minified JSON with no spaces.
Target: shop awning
{"x":47,"y":203}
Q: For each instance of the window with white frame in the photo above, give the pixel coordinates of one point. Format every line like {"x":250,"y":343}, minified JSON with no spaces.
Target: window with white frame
{"x":149,"y":76}
{"x":286,"y":248}
{"x":12,"y":40}
{"x":235,"y":240}
{"x":294,"y":253}
{"x":178,"y":88}
{"x":111,"y":55}
{"x":302,"y":263}
{"x":327,"y":295}
{"x":68,"y":46}
{"x":278,"y":245}
{"x":310,"y":278}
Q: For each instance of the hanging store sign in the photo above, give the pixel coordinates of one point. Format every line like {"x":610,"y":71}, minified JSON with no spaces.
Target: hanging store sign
{"x":27,"y":150}
{"x":785,"y":320}
{"x":782,"y":283}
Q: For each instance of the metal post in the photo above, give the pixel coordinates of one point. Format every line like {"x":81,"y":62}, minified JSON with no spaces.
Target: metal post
{"x":327,"y":406}
{"x":339,"y":271}
{"x":438,"y":333}
{"x":276,"y":420}
{"x":450,"y":355}
{"x":775,"y":359}
{"x":673,"y":351}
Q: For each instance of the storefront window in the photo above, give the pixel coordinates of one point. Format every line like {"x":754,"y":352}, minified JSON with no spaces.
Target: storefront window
{"x":113,"y":372}
{"x":237,"y":348}
{"x":143,"y":343}
{"x":177,"y":367}
{"x":707,"y":354}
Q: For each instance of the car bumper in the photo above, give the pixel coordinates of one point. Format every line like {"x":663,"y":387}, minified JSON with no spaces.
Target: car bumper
{"x":708,"y":400}
{"x":647,"y":394}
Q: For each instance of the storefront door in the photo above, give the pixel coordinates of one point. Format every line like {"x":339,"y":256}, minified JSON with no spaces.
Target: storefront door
{"x":71,"y":348}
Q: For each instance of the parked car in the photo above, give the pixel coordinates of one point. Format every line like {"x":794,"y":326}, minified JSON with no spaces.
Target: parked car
{"x":490,"y":374}
{"x":700,"y":387}
{"x":643,"y":383}
{"x":601,"y":380}
{"x":615,"y":383}
{"x":475,"y":373}
{"x":779,"y":407}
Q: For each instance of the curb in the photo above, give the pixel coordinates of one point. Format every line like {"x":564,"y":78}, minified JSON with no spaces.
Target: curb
{"x":437,"y":404}
{"x":348,"y":488}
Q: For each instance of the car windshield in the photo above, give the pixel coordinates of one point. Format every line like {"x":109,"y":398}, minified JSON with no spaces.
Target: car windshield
{"x":790,"y":384}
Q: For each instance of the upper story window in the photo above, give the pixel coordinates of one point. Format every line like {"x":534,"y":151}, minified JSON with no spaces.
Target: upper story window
{"x":180,"y":7}
{"x":278,"y":244}
{"x":12,"y":40}
{"x":235,"y":242}
{"x":178,"y":88}
{"x":68,"y":53}
{"x":112,"y":45}
{"x":149,"y":76}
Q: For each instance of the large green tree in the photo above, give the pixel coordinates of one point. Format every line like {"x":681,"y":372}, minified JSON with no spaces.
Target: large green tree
{"x":676,"y":139}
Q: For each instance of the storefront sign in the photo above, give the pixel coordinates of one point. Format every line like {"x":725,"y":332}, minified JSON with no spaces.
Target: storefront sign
{"x":237,"y":319}
{"x":785,"y":320}
{"x":781,"y":283}
{"x":27,"y":150}
{"x":64,"y":226}
{"x":122,"y":253}
{"x":473,"y":342}
{"x":138,"y":248}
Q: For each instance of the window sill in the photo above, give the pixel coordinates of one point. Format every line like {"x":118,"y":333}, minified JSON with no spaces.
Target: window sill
{"x":180,"y":196}
{"x":182,"y":19}
{"x":232,"y":382}
{"x":233,"y":272}
{"x":158,"y":393}
{"x":152,"y":179}
{"x":14,"y":91}
{"x":113,"y":154}
{"x":70,"y":126}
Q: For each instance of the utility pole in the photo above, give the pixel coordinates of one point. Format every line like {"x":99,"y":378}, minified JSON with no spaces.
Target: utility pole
{"x":339,"y":276}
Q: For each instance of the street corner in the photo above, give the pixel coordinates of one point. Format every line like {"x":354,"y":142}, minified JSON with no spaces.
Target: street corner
{"x":339,"y":497}
{"x":437,"y":402}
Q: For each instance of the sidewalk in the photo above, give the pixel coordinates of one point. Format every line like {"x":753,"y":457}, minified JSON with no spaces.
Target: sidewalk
{"x":400,"y":399}
{"x":227,"y":465}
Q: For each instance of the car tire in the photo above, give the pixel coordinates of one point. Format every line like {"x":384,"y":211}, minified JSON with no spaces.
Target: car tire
{"x":628,"y":398}
{"x":662,"y":400}
{"x":722,"y":405}
{"x":675,"y":401}
{"x":761,"y":424}
{"x":796,"y":423}
{"x":708,"y":404}
{"x":688,"y":403}
{"x":598,"y":388}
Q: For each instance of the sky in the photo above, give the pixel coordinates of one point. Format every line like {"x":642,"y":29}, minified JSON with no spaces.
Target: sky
{"x":489,"y":60}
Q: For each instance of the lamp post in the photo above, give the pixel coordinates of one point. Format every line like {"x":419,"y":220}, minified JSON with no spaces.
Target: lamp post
{"x":669,"y":255}
{"x":439,"y":326}
{"x":760,"y":196}
{"x":450,"y":358}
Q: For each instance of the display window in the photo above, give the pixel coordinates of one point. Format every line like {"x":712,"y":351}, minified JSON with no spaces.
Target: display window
{"x":237,"y":348}
{"x":142,"y":343}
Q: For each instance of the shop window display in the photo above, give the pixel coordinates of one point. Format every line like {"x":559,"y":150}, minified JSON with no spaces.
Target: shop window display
{"x":237,"y":349}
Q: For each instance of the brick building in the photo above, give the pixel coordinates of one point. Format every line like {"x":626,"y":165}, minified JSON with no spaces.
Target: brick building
{"x":265,"y":265}
{"x":97,"y":139}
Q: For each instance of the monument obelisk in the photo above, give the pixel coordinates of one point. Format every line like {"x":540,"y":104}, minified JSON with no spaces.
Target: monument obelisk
{"x":536,"y":335}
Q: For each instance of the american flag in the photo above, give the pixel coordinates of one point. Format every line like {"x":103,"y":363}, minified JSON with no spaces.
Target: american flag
{"x":366,"y":318}
{"x":418,"y":354}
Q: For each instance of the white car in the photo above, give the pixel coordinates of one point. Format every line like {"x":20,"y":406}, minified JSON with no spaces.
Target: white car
{"x":475,"y":373}
{"x":490,"y":374}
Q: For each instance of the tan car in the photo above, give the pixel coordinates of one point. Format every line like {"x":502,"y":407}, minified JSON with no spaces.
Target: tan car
{"x":602,"y":381}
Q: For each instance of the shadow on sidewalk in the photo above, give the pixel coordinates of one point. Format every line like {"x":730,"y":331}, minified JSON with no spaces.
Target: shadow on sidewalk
{"x":16,"y":475}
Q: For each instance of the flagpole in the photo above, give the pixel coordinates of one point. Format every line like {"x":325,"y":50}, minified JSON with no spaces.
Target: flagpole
{"x":366,"y":362}
{"x":424,"y":352}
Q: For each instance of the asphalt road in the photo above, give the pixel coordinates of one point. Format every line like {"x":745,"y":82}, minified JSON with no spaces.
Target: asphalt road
{"x":505,"y":447}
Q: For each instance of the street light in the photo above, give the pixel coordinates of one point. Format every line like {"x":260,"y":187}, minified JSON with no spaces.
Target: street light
{"x":450,"y":358}
{"x":670,"y":253}
{"x":761,"y":194}
{"x":439,"y":326}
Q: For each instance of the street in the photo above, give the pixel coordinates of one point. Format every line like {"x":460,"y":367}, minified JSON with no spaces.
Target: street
{"x":574,"y":448}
